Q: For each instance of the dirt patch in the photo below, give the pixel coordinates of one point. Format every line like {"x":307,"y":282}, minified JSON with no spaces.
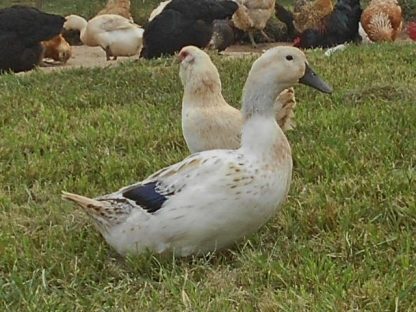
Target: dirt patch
{"x":87,"y":57}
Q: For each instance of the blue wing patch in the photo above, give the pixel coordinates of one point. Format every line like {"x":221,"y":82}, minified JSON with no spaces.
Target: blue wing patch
{"x":147,"y":196}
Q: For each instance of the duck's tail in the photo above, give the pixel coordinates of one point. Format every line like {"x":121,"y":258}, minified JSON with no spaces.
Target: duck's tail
{"x":97,"y":210}
{"x":284,"y":106}
{"x":84,"y":202}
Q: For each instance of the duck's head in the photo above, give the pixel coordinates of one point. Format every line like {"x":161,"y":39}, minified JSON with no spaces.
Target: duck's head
{"x":276,"y":70}
{"x":197,"y":70}
{"x":284,"y":67}
{"x":74,"y":22}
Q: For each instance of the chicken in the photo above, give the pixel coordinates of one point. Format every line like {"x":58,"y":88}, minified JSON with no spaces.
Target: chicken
{"x":252,"y":15}
{"x":208,"y":121}
{"x":222,"y":35}
{"x":411,"y":30}
{"x":57,"y":49}
{"x":286,"y":17}
{"x":181,"y":23}
{"x":363,"y":34}
{"x":222,"y":32}
{"x":72,"y":36}
{"x":382,"y":20}
{"x":308,"y":14}
{"x":22,"y":29}
{"x":118,"y":7}
{"x":339,"y":27}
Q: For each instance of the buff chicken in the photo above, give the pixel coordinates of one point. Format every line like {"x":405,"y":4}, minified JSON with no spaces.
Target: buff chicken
{"x":253,"y":15}
{"x":382,"y":20}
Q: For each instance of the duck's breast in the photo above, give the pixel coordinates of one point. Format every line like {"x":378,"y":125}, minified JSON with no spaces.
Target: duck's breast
{"x":125,"y":42}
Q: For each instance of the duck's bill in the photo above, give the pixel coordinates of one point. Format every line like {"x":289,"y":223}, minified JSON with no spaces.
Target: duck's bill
{"x":313,"y":80}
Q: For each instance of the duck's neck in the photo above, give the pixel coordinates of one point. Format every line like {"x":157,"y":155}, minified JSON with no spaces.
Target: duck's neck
{"x":80,"y":23}
{"x":260,"y":133}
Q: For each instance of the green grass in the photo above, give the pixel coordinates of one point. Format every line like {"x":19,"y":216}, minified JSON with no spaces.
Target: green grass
{"x":344,"y":240}
{"x":88,"y":8}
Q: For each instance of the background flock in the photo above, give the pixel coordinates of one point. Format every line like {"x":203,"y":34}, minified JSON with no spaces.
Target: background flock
{"x":29,"y":36}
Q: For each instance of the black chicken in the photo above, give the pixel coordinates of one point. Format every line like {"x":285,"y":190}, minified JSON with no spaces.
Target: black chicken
{"x":22,"y":29}
{"x":286,"y":17}
{"x":339,"y":27}
{"x":182,"y":23}
{"x":222,"y":35}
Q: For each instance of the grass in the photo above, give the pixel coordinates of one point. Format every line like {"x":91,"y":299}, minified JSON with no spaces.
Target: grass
{"x":343,"y":241}
{"x":140,"y":8}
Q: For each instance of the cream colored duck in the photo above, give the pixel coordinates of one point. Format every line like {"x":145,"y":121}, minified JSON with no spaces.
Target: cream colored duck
{"x":117,"y":35}
{"x":214,"y":198}
{"x":208,"y":121}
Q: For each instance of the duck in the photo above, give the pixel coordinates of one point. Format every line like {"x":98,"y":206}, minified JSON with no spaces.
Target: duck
{"x":211,"y":199}
{"x":208,"y":121}
{"x":115,"y":34}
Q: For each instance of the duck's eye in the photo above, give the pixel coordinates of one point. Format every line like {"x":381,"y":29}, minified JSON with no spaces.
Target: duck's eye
{"x":289,"y":57}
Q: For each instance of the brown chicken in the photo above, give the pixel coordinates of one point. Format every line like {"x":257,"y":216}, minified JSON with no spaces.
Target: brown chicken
{"x":308,"y":14}
{"x":382,"y":20}
{"x":252,"y":15}
{"x":57,"y":49}
{"x":118,"y":7}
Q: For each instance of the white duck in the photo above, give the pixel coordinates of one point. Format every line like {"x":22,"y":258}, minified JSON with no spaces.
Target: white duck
{"x":117,"y":35}
{"x":213,"y":198}
{"x":208,"y":121}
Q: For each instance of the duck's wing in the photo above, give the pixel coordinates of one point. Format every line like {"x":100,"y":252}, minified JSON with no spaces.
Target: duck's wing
{"x":205,"y":172}
{"x":152,"y":193}
{"x":115,"y":22}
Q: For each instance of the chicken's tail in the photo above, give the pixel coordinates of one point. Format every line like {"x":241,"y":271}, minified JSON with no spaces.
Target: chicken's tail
{"x":284,"y":107}
{"x":286,"y":17}
{"x":380,"y":28}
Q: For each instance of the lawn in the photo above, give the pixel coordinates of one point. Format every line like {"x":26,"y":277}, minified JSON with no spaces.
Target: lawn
{"x":343,"y":241}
